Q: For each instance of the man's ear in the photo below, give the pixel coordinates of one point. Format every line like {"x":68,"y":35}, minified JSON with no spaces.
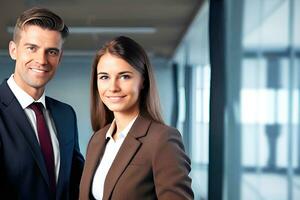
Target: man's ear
{"x":61,"y":55}
{"x":13,"y":50}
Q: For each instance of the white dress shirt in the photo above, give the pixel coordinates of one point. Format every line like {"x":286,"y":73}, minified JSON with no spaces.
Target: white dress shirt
{"x":25,"y":100}
{"x":111,"y":150}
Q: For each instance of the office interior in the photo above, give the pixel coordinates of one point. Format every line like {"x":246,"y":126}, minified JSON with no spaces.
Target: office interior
{"x":230,"y":86}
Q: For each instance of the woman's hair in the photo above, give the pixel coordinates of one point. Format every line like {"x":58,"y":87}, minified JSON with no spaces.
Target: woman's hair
{"x":130,"y":51}
{"x":41,"y":17}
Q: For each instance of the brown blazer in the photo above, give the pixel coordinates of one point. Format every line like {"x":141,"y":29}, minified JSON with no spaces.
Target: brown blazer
{"x":151,"y":164}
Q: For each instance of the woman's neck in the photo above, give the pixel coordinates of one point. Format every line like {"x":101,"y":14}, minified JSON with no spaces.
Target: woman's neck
{"x":122,"y":121}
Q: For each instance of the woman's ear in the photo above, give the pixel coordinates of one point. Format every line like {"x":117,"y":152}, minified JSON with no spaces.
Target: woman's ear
{"x":142,"y":83}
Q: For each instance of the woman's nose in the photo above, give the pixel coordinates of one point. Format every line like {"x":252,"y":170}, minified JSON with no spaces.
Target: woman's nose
{"x":114,"y":85}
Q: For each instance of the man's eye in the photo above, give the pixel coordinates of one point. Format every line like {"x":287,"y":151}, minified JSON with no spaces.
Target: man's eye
{"x":31,"y":48}
{"x":53,"y":53}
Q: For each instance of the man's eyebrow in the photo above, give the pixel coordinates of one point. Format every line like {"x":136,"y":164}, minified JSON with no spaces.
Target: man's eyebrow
{"x":48,"y":49}
{"x":30,"y":44}
{"x":52,"y":48}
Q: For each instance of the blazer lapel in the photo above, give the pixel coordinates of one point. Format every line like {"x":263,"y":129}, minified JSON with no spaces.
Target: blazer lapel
{"x":94,"y":155}
{"x":128,"y":149}
{"x":62,"y":135}
{"x":17,"y":114}
{"x":97,"y":149}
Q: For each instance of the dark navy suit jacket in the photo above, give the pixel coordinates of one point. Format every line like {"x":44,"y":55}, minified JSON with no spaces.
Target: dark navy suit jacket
{"x":23,"y":173}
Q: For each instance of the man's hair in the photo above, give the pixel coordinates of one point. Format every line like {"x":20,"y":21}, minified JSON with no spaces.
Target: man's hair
{"x":41,"y":17}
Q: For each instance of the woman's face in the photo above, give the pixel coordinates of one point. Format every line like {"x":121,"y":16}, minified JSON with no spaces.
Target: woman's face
{"x":119,"y":85}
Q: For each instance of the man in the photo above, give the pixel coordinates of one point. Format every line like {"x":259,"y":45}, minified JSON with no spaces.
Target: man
{"x":39,"y":151}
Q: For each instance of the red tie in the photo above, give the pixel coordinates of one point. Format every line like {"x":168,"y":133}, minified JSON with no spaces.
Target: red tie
{"x":45,"y":142}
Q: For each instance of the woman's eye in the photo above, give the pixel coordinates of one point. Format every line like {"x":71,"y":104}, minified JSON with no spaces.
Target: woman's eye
{"x":103,"y":77}
{"x":125,"y":76}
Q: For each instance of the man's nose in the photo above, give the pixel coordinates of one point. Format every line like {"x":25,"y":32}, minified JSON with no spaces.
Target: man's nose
{"x":41,"y":58}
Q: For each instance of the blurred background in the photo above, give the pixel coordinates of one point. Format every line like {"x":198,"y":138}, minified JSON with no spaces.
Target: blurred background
{"x":228,"y":74}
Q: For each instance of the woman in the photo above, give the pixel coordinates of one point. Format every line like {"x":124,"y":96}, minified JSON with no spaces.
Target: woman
{"x":132,"y":154}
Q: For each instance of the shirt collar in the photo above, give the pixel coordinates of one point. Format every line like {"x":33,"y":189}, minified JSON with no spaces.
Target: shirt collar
{"x":24,"y":98}
{"x":124,"y":132}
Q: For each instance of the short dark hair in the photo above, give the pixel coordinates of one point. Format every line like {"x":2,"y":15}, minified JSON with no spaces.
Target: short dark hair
{"x":43,"y":18}
{"x":130,"y":51}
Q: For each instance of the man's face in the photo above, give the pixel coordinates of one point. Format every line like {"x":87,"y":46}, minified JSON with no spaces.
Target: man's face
{"x":37,"y":54}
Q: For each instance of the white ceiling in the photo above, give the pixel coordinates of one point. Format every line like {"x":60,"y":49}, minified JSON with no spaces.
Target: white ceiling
{"x":169,"y":19}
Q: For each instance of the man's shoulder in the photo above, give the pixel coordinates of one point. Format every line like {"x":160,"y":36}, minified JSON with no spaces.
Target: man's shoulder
{"x":57,"y":104}
{"x":3,"y":85}
{"x":6,"y":95}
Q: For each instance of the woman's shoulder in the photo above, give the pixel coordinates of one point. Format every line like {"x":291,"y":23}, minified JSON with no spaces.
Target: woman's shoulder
{"x":161,"y":130}
{"x":162,"y":136}
{"x":162,"y":127}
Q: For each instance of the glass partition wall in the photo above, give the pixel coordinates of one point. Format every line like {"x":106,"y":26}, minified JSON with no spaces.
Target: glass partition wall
{"x":267,"y":112}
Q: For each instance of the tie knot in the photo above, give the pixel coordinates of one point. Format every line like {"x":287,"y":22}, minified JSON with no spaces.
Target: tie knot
{"x":37,"y":108}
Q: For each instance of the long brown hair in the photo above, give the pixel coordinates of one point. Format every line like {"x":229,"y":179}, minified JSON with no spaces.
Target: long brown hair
{"x":130,"y":51}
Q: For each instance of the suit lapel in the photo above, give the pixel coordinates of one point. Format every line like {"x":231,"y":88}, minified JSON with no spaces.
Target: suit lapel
{"x":61,"y":134}
{"x":128,"y":149}
{"x":17,"y":114}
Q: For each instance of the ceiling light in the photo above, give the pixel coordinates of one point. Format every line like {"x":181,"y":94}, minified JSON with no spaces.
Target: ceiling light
{"x":95,"y":30}
{"x":107,"y":30}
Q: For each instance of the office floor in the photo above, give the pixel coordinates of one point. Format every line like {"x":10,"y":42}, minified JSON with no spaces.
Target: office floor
{"x":269,"y":186}
{"x":255,"y":186}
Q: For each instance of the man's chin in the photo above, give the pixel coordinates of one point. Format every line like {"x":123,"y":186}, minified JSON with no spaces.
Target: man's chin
{"x":39,"y":85}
